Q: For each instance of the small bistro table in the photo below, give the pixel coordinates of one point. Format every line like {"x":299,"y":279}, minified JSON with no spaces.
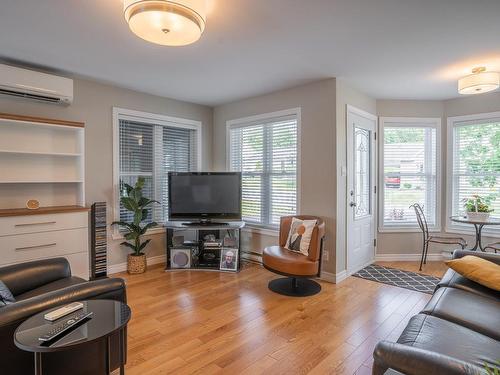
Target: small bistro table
{"x":478,"y":226}
{"x":109,"y":317}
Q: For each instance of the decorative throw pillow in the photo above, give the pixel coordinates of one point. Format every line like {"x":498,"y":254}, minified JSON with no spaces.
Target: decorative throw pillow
{"x":477,"y":269}
{"x":6,"y":297}
{"x":300,"y":235}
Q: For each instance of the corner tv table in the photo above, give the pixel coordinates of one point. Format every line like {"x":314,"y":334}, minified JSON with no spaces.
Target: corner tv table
{"x":192,"y":246}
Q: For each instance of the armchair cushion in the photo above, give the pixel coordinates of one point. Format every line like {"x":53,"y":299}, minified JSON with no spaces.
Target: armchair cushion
{"x":288,"y":262}
{"x":300,"y":234}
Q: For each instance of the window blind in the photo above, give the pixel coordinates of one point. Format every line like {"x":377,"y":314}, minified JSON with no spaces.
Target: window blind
{"x":410,"y":174}
{"x":152,"y":150}
{"x":476,"y":163}
{"x":266,"y":154}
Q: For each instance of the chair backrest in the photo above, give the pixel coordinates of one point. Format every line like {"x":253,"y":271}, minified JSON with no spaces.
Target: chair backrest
{"x":421,"y":220}
{"x":317,"y":234}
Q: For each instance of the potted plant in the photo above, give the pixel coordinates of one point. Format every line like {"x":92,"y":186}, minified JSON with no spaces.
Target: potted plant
{"x":136,"y":203}
{"x":478,"y":208}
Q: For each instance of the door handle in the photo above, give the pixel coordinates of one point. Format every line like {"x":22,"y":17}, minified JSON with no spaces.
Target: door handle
{"x":353,"y":204}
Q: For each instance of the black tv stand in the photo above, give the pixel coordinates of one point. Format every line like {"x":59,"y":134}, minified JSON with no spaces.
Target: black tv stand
{"x":204,"y":224}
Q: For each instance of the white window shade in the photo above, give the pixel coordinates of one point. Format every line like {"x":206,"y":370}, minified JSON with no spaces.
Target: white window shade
{"x":476,"y":163}
{"x":410,"y":173}
{"x":151,"y":150}
{"x":266,"y":154}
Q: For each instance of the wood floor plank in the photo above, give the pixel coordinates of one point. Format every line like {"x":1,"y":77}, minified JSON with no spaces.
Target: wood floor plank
{"x":188,"y":322}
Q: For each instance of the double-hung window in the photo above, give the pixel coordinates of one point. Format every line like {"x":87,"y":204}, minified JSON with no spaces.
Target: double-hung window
{"x":264,"y":148}
{"x":474,"y":162}
{"x":409,"y":167}
{"x":150,"y":146}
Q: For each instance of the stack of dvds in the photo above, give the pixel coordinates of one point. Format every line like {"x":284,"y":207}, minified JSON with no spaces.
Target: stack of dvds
{"x":98,"y":240}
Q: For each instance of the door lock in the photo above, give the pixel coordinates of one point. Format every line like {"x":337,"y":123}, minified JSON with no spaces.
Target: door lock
{"x":353,"y":204}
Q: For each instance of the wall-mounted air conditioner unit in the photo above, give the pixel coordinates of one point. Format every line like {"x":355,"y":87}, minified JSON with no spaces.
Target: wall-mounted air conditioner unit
{"x":33,"y":85}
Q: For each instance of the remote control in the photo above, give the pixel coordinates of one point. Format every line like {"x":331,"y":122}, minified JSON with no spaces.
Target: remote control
{"x":55,"y":331}
{"x":65,"y":310}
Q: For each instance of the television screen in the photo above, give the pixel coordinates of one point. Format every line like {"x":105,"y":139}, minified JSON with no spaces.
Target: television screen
{"x":204,"y":195}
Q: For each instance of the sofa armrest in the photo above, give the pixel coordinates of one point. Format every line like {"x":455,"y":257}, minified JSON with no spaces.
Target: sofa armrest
{"x":16,"y":313}
{"x":23,"y":277}
{"x":415,"y":361}
{"x":495,"y":258}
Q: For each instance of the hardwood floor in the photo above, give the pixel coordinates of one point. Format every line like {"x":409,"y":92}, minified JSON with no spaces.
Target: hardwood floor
{"x":190,"y":322}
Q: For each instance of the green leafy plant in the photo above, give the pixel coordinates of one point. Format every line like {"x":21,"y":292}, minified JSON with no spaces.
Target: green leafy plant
{"x":477,"y":203}
{"x":492,"y":370}
{"x":136,"y":203}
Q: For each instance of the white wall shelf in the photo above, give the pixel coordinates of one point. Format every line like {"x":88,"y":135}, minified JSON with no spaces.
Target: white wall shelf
{"x":22,"y":152}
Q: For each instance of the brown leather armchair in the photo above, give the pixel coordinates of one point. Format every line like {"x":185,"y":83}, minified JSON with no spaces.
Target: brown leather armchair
{"x":297,"y":267}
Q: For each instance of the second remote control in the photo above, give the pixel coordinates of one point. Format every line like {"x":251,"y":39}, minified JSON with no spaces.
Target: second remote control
{"x":59,"y":329}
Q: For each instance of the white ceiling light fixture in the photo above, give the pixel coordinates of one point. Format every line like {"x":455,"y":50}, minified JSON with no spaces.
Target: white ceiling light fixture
{"x":480,"y":81}
{"x":169,"y":23}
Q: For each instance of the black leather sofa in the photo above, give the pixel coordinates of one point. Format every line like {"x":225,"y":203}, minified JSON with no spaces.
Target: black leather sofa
{"x":457,"y":332}
{"x":41,"y":285}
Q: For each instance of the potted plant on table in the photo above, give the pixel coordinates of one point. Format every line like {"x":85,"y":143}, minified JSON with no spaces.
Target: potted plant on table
{"x":478,"y":208}
{"x":136,"y":203}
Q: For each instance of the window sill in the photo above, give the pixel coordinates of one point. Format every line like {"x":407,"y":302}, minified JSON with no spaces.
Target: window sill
{"x":274,"y":232}
{"x":119,"y":236}
{"x":406,"y":230}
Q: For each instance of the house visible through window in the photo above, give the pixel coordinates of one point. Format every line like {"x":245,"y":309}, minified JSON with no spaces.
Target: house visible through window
{"x":151,"y":147}
{"x":265,"y":151}
{"x":410,"y":171}
{"x":475,"y":155}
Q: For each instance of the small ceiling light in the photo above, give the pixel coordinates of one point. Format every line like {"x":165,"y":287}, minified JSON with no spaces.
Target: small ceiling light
{"x":478,"y":82}
{"x":169,"y":23}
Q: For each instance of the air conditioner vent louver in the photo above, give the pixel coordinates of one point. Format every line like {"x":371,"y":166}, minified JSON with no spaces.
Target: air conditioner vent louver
{"x":30,"y":96}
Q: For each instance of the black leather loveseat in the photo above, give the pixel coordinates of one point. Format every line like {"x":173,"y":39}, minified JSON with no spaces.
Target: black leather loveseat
{"x":457,"y":332}
{"x":41,"y":285}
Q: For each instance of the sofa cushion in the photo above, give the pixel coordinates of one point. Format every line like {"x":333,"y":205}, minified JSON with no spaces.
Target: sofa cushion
{"x":6,"y":296}
{"x":54,"y":285}
{"x":481,"y":314}
{"x":453,"y":279}
{"x":477,"y":269}
{"x":441,"y":336}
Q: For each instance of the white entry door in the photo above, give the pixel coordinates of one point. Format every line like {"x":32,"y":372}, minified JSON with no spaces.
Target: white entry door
{"x":361,"y":190}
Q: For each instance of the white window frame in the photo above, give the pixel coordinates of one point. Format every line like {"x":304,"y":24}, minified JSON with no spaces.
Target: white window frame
{"x":270,"y":230}
{"x":451,"y":226}
{"x":422,"y":122}
{"x":147,"y":117}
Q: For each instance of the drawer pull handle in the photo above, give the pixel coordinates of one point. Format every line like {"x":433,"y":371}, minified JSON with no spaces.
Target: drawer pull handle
{"x":35,"y":246}
{"x":28,"y":224}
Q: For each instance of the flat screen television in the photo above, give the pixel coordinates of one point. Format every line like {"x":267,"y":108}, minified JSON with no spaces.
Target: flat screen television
{"x":204,"y":196}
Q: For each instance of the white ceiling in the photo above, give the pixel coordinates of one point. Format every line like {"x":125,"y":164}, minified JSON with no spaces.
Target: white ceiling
{"x":404,"y":49}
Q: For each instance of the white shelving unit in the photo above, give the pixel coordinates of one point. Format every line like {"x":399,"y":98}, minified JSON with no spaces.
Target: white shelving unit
{"x":41,"y":159}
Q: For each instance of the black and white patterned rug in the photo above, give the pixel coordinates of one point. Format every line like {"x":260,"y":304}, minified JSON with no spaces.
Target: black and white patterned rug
{"x":403,"y":279}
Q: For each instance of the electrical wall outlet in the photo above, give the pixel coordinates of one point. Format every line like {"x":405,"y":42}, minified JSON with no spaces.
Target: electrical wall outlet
{"x":326,"y":255}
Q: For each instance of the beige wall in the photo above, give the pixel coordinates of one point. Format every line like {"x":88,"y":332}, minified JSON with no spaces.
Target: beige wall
{"x":411,"y":243}
{"x":93,"y":104}
{"x":317,"y":183}
{"x":346,"y":95}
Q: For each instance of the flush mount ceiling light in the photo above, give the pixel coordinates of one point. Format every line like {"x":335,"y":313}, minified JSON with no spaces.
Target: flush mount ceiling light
{"x":478,"y":82}
{"x":169,"y":23}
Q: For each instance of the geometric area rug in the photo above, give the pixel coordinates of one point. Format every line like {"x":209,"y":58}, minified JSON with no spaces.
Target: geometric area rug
{"x":400,"y":278}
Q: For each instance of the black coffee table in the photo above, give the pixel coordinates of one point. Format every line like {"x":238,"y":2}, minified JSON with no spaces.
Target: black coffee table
{"x":109,"y":317}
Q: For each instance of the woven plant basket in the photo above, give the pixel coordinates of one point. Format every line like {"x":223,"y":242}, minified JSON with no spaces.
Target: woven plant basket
{"x":136,"y":263}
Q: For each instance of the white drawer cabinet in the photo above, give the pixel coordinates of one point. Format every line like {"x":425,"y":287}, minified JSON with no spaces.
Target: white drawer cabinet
{"x":42,"y":223}
{"x":32,"y":237}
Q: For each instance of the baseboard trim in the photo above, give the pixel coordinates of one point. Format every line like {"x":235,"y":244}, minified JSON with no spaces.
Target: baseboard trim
{"x":412,"y":257}
{"x":252,"y":257}
{"x":121,"y":267}
{"x":334,"y":278}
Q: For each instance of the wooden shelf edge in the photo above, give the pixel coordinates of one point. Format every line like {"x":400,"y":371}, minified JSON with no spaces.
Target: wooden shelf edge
{"x":5,"y":212}
{"x":41,"y":120}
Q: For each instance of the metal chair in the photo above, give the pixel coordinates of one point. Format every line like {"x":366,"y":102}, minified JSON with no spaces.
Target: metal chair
{"x":493,"y":246}
{"x":422,"y":223}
